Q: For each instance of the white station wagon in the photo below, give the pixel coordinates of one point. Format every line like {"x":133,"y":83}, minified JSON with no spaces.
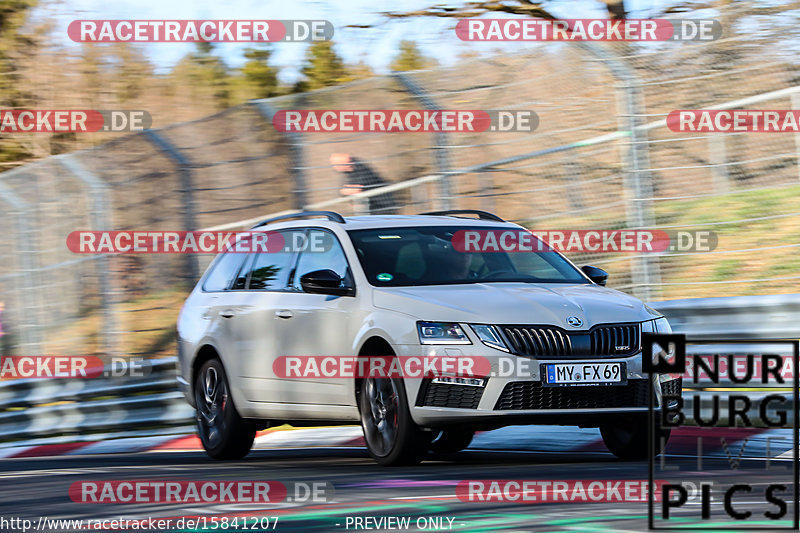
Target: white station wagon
{"x":397,"y":286}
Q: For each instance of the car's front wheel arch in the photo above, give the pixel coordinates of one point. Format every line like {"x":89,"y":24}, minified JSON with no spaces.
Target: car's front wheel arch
{"x":374,"y":345}
{"x":391,"y":436}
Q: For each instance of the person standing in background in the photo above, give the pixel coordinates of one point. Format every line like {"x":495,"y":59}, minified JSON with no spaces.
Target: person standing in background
{"x":359,"y":177}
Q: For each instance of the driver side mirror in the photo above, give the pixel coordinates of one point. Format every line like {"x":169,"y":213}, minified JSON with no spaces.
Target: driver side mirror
{"x":598,"y":275}
{"x":325,"y":282}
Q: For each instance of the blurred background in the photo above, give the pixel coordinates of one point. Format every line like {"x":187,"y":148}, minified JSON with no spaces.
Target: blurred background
{"x":601,"y":157}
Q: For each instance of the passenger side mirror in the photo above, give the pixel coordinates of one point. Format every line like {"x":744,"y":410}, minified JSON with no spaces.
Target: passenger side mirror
{"x":598,"y":275}
{"x":325,"y":282}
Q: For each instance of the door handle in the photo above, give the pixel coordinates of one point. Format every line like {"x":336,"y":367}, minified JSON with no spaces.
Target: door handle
{"x":228,"y":313}
{"x":284,"y":313}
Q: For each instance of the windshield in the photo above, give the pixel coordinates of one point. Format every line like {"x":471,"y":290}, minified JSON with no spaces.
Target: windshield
{"x":401,"y":257}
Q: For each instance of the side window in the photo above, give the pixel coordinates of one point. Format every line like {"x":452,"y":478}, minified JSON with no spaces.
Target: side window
{"x":223,"y":272}
{"x":323,"y":252}
{"x":241,"y":280}
{"x":270,"y":271}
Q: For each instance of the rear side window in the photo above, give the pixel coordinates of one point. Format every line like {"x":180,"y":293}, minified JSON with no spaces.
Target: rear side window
{"x":223,"y":271}
{"x":270,"y":271}
{"x":331,"y":257}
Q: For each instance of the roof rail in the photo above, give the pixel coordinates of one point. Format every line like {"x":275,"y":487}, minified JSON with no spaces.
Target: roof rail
{"x":330,"y":215}
{"x":483,"y":215}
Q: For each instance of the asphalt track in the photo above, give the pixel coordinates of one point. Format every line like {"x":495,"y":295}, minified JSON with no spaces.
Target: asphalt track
{"x":38,"y":487}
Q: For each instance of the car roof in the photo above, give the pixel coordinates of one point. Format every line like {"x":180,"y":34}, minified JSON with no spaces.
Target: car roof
{"x":389,"y":221}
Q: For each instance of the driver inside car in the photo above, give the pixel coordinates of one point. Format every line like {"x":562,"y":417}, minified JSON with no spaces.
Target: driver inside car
{"x":447,"y":264}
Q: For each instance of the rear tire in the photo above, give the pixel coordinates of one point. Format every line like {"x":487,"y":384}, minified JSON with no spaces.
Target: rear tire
{"x":630,"y":442}
{"x":451,"y":440}
{"x":391,"y":436}
{"x":224,"y":434}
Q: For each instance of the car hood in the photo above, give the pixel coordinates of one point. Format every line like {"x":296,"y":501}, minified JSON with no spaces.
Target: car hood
{"x":514,"y":303}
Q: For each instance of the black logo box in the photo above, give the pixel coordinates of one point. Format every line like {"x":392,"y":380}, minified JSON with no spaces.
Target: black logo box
{"x":678,"y":365}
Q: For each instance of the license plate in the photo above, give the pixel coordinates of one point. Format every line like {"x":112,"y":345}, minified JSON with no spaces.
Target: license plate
{"x":556,"y":374}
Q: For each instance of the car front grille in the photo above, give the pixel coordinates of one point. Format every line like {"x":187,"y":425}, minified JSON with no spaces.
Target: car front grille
{"x":611,"y":340}
{"x":449,"y":395}
{"x":519,"y":395}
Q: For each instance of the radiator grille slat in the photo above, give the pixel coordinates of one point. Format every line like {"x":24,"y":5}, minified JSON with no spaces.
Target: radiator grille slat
{"x":523,"y":339}
{"x":553,"y":342}
{"x":529,"y":339}
{"x":539,"y":341}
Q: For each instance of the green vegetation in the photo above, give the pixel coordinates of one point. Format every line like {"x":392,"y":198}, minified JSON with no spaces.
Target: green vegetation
{"x":323,"y":68}
{"x":37,"y":71}
{"x":13,"y":45}
{"x":726,"y":269}
{"x":260,"y":79}
{"x":410,"y":58}
{"x":754,"y":249}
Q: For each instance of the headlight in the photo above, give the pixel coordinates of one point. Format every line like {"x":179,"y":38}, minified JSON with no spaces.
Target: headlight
{"x":662,"y":325}
{"x":441,"y":333}
{"x":659,"y":325}
{"x":489,"y":336}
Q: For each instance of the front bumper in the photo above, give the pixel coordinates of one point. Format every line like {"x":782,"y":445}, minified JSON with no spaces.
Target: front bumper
{"x":518,"y":397}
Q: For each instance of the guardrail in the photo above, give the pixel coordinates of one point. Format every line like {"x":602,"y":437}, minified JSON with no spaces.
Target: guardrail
{"x":733,"y":318}
{"x":736,"y":317}
{"x":152,"y":404}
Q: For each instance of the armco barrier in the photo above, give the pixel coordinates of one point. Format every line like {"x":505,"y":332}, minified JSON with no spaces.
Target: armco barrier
{"x":35,"y":408}
{"x":152,"y":404}
{"x":733,"y":318}
{"x":736,"y":317}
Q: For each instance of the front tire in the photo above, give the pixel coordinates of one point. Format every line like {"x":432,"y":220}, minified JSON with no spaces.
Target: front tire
{"x":391,"y":436}
{"x":224,"y":434}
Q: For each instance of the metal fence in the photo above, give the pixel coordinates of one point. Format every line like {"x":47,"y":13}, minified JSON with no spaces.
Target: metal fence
{"x":602,"y":157}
